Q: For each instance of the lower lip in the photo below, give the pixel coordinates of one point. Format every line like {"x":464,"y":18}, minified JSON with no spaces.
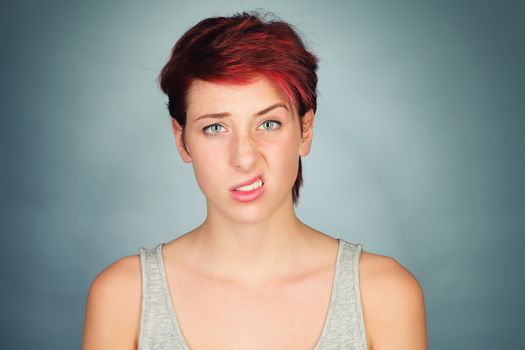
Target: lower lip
{"x":248,"y":196}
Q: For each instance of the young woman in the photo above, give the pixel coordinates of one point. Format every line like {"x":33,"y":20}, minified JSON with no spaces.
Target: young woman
{"x":242,"y":97}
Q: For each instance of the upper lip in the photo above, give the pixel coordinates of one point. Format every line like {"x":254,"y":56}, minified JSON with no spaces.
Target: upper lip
{"x":249,"y":182}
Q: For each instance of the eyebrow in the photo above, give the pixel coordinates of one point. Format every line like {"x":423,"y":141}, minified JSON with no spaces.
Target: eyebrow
{"x":226,"y":114}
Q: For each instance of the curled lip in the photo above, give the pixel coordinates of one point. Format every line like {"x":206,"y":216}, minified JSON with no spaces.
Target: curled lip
{"x":252,"y":180}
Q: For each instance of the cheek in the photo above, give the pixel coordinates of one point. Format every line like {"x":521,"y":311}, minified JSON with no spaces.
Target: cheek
{"x":286,"y":160}
{"x":208,"y":166}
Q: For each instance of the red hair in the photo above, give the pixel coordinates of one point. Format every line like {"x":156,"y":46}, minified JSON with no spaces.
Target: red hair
{"x":236,"y":49}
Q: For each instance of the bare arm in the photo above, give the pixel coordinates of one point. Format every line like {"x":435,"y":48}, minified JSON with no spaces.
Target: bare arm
{"x":394,"y":307}
{"x":113,"y":307}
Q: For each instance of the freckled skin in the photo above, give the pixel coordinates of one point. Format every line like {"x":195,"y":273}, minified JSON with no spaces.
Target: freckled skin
{"x":243,"y":146}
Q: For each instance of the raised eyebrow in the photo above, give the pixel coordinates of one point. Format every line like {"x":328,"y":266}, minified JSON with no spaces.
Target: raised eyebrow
{"x":212,"y":115}
{"x":226,"y":114}
{"x":268,"y":109}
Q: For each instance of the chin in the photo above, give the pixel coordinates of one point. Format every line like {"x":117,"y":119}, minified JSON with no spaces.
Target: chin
{"x":249,"y":217}
{"x":242,"y":213}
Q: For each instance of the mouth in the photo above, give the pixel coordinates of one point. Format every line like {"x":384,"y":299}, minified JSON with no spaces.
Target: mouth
{"x":249,"y":190}
{"x":249,"y":185}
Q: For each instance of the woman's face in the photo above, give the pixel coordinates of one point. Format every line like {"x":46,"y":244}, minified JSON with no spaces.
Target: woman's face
{"x":236,"y":133}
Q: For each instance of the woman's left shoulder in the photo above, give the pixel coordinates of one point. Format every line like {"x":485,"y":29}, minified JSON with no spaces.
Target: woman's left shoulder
{"x":385,"y":271}
{"x":393,"y":303}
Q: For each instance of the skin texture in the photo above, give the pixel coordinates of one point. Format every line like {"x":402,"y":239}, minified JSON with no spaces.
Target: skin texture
{"x":243,"y":147}
{"x":257,"y":254}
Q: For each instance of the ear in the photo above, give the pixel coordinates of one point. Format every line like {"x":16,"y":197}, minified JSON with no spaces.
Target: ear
{"x":306,"y":138}
{"x":179,"y":140}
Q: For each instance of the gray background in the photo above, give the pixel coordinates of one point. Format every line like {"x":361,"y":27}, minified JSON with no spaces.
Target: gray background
{"x":417,"y":153}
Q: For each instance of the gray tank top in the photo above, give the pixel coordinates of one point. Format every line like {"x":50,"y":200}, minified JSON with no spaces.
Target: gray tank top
{"x":343,"y":329}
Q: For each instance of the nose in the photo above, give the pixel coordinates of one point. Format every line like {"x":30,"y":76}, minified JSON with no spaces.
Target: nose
{"x":244,"y":153}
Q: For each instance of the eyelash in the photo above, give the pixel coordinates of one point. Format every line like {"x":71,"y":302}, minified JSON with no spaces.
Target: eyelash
{"x":214,"y":133}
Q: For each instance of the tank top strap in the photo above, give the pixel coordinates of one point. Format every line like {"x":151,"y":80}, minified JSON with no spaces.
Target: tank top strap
{"x":156,"y":325}
{"x":345,"y":328}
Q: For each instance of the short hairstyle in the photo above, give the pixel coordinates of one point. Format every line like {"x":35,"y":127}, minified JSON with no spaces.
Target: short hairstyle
{"x":236,"y":49}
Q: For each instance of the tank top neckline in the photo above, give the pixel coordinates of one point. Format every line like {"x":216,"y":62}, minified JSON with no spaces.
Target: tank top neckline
{"x":173,"y":314}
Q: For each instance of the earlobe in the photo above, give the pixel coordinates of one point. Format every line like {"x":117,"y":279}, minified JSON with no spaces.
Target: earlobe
{"x":179,"y":140}
{"x":306,"y":138}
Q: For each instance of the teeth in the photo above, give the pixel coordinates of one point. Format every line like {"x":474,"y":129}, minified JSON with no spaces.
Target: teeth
{"x":251,"y":187}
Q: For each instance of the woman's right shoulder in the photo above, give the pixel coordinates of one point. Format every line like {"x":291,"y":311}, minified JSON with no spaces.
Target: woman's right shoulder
{"x":124,"y":270}
{"x":113,"y":306}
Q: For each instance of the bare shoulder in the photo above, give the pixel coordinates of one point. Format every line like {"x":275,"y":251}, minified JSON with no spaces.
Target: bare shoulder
{"x":112,"y":314}
{"x":393,"y":304}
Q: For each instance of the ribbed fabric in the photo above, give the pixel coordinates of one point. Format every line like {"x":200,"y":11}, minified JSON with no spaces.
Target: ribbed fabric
{"x":343,"y":329}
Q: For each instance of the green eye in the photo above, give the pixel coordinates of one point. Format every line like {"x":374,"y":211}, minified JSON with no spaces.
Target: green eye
{"x":268,"y":124}
{"x":214,"y":129}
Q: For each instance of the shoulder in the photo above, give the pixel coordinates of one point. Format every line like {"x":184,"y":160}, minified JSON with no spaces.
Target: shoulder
{"x":393,"y":304}
{"x":112,"y":314}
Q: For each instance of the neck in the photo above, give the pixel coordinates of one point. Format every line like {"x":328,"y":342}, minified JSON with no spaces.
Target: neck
{"x":251,"y":253}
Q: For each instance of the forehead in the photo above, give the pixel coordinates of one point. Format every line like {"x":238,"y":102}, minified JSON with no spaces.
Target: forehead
{"x":210,"y":97}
